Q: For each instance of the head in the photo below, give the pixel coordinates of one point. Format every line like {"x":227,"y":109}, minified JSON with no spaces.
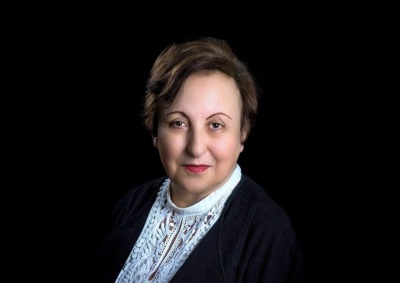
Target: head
{"x":200,"y":105}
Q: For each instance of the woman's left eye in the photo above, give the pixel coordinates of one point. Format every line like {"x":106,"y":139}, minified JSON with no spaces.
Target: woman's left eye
{"x":215,"y":126}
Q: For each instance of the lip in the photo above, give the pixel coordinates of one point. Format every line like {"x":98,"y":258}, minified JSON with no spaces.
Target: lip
{"x":193,"y":168}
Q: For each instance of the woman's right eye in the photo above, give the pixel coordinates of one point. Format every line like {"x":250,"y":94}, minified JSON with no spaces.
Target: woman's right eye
{"x":177,"y":124}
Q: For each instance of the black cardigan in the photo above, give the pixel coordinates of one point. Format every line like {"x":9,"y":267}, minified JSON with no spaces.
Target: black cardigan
{"x":252,"y":241}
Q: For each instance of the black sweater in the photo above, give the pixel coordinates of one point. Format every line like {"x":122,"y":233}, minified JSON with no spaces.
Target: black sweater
{"x":252,"y":241}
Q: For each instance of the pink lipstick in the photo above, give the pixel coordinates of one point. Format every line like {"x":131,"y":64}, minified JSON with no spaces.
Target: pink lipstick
{"x":196,"y":168}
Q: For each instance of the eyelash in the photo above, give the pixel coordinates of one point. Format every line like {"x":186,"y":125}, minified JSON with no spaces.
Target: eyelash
{"x":214,"y":126}
{"x":219,"y":126}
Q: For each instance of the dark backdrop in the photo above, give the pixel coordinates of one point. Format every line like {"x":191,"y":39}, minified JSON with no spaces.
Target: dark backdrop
{"x":97,"y":149}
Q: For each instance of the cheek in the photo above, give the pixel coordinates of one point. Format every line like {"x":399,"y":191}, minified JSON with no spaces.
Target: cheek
{"x":226,"y":149}
{"x":169,"y":148}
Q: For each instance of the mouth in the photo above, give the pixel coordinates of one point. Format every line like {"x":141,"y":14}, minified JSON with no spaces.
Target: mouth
{"x":196,"y":168}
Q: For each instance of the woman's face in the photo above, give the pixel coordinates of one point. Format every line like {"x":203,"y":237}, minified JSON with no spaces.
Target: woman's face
{"x":199,"y":139}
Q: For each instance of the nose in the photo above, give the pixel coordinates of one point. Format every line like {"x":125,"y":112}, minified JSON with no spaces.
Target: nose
{"x":197,"y":144}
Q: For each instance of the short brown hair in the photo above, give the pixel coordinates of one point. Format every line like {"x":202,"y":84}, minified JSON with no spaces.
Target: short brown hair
{"x":180,"y":60}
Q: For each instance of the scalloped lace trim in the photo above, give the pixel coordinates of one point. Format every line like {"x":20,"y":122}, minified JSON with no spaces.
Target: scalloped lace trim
{"x":169,"y":236}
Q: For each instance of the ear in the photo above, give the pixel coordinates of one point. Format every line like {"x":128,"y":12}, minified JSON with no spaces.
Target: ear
{"x":243,"y":137}
{"x":155,"y":142}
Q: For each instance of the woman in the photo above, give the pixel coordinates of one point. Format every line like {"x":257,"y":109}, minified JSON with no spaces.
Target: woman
{"x":205,"y":221}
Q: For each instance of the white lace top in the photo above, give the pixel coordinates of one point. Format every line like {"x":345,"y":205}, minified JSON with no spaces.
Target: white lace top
{"x":171,"y":233}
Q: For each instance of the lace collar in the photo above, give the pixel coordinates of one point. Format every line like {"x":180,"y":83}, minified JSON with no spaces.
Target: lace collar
{"x":208,"y":202}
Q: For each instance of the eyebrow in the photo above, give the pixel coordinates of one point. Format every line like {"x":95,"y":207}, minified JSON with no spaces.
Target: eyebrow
{"x":183,"y":113}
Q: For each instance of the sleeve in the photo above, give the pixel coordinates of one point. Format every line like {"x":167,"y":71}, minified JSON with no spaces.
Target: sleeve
{"x":123,"y":226}
{"x":272,"y":252}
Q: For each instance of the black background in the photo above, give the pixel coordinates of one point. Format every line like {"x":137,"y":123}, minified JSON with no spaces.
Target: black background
{"x":87,"y":146}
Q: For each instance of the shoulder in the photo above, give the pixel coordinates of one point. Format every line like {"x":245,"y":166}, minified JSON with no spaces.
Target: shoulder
{"x":250,"y":191}
{"x":262,"y":229}
{"x":265,"y":212}
{"x":143,"y":190}
{"x":137,"y":198}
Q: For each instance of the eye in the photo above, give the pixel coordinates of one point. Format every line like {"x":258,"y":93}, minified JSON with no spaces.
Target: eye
{"x":216,"y":126}
{"x":177,"y":124}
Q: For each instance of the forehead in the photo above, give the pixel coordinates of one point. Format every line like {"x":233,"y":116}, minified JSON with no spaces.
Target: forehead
{"x":208,"y":92}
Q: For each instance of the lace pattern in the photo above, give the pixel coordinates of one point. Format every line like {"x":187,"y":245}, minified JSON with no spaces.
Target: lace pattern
{"x":170,"y":235}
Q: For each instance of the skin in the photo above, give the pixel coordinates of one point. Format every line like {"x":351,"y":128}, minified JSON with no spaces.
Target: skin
{"x":201,"y":127}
